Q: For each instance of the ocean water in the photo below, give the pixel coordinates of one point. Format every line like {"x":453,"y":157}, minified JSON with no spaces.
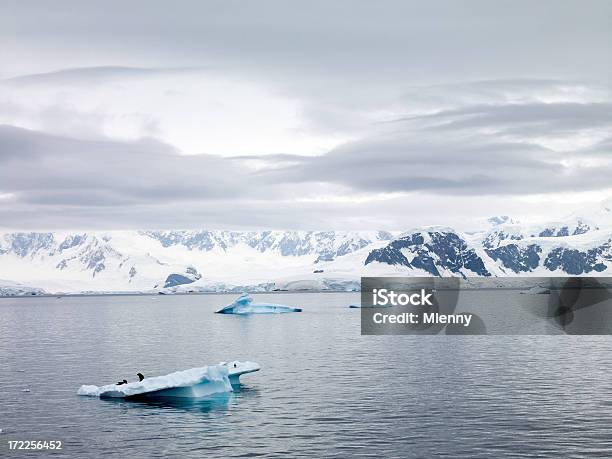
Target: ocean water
{"x":323,"y":391}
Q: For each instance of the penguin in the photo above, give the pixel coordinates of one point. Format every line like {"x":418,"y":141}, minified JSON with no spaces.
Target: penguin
{"x":122,"y":382}
{"x":140,"y":376}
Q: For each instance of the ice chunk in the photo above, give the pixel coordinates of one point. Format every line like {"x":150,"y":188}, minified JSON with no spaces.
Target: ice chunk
{"x":193,"y":383}
{"x":236,"y":369}
{"x":537,"y":290}
{"x":244,"y":305}
{"x":359,"y":306}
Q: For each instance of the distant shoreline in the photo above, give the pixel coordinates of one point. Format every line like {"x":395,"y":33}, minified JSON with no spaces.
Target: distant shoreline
{"x":69,"y":295}
{"x":250,"y":292}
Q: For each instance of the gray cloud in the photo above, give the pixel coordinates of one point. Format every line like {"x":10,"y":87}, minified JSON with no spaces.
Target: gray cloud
{"x":545,"y":118}
{"x":45,"y":169}
{"x":472,"y":169}
{"x":96,"y":75}
{"x":53,"y":175}
{"x":483,"y":149}
{"x":442,"y":103}
{"x":295,"y":43}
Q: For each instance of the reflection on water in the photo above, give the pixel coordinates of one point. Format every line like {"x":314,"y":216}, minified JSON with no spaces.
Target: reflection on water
{"x":212,"y":402}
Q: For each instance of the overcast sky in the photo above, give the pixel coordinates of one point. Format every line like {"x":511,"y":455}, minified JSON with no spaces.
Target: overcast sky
{"x":302,"y":115}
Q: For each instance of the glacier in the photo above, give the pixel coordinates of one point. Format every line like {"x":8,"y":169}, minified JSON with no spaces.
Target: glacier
{"x":8,"y":288}
{"x":200,"y":261}
{"x":193,"y":383}
{"x":190,"y":261}
{"x":244,"y":305}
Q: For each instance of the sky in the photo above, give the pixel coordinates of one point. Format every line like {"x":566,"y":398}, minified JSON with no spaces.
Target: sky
{"x":316,"y":115}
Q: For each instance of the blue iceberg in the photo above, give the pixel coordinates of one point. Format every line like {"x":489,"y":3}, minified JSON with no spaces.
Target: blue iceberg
{"x":244,"y":305}
{"x":194,"y":383}
{"x":359,"y":306}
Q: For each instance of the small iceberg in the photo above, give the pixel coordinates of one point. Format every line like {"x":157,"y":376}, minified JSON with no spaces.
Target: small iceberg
{"x":192,"y":383}
{"x":244,"y":305}
{"x":536,"y":290}
{"x":359,"y":306}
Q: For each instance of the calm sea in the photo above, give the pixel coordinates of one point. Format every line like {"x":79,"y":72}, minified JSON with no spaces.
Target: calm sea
{"x":323,"y":391}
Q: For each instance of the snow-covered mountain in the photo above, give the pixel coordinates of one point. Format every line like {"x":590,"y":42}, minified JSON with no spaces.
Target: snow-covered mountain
{"x":125,"y":261}
{"x":575,"y":246}
{"x":443,"y":252}
{"x":145,"y":261}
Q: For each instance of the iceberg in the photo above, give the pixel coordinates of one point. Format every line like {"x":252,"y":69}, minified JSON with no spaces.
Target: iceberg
{"x":244,"y":305}
{"x":536,"y":290}
{"x":237,"y":369}
{"x":359,"y":306}
{"x":193,"y":383}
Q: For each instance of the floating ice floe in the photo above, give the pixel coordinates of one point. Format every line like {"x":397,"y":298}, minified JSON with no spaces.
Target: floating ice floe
{"x":359,"y":306}
{"x":192,"y":383}
{"x":537,"y":290}
{"x":244,"y":305}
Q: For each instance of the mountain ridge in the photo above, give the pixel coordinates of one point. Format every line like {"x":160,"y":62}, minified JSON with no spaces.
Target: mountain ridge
{"x":216,"y":260}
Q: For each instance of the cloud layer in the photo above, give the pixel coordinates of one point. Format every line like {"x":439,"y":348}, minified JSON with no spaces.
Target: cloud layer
{"x":257,"y":115}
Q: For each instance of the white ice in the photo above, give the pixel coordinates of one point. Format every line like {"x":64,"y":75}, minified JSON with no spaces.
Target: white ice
{"x":537,"y":290}
{"x":244,"y":305}
{"x":193,"y":383}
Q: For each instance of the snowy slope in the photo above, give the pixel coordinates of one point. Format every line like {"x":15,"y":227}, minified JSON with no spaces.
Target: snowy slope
{"x":126,"y":261}
{"x":199,"y":260}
